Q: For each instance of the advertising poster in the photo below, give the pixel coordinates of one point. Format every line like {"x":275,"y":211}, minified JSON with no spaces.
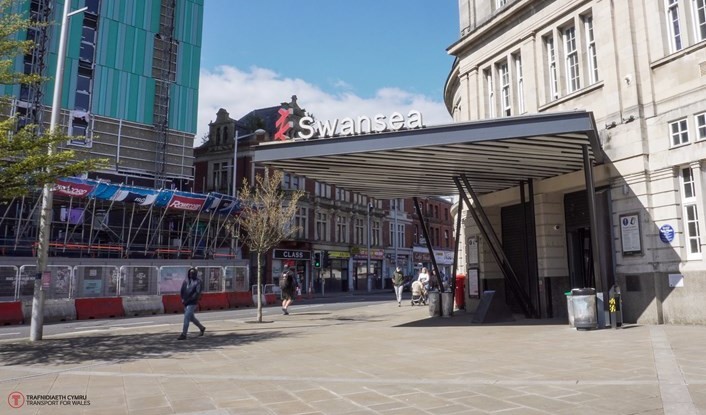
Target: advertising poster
{"x":214,"y":279}
{"x":113,"y":287}
{"x":140,"y":280}
{"x":92,"y":282}
{"x":62,"y":281}
{"x":171,"y":279}
{"x":473,"y":283}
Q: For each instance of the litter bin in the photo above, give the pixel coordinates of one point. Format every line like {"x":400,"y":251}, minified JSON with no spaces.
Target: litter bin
{"x":570,"y":309}
{"x":460,"y":294}
{"x":583,"y":302}
{"x":447,"y":304}
{"x":434,"y":306}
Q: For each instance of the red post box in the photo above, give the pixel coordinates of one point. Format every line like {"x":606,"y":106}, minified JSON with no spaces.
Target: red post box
{"x":460,"y":297}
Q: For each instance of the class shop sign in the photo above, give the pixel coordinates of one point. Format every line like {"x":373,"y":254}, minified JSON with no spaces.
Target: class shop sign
{"x":310,"y":128}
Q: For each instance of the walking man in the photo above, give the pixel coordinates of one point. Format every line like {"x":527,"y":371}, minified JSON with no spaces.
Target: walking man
{"x":190,"y":293}
{"x":398,"y":282}
{"x":287,"y":286}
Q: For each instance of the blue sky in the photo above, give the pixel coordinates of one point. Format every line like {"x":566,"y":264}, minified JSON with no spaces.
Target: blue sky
{"x":341,"y":58}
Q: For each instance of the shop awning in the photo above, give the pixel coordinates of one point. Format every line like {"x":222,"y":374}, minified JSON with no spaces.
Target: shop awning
{"x":493,"y":154}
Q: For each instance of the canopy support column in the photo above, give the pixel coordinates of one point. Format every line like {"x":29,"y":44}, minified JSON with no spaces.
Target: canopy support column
{"x":496,"y":249}
{"x":437,"y":279}
{"x":591,"y":193}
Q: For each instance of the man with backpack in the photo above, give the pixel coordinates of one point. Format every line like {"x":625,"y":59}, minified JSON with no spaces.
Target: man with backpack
{"x":190,"y":293}
{"x":287,"y":285}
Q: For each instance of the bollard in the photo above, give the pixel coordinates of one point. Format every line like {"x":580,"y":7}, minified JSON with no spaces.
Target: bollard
{"x":615,"y":307}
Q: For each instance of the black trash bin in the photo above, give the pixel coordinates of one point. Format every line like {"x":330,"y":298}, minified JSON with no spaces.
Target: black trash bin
{"x":583,"y":302}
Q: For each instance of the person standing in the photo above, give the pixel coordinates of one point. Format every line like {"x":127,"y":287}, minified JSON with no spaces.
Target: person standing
{"x":287,"y":285}
{"x":190,"y":293}
{"x":424,"y":278}
{"x":398,"y":282}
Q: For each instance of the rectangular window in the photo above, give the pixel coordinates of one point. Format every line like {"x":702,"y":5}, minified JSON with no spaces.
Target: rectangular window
{"x":221,"y":174}
{"x":376,"y":241}
{"x":520,"y":85}
{"x":358,"y":236}
{"x":679,"y":132}
{"x":323,"y":190}
{"x":504,"y":75}
{"x":701,"y":127}
{"x":592,"y":57}
{"x":301,"y":221}
{"x":400,"y":235}
{"x":691,"y":214}
{"x":341,"y":229}
{"x":673,"y":26}
{"x":700,"y":19}
{"x":573,"y":81}
{"x":500,"y":3}
{"x":490,"y":94}
{"x":551,"y":66}
{"x":321,"y":226}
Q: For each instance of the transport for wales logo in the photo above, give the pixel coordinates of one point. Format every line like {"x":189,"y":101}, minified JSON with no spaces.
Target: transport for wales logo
{"x":18,"y":400}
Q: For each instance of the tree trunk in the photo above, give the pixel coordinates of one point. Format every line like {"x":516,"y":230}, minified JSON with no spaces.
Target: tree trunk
{"x":259,"y":288}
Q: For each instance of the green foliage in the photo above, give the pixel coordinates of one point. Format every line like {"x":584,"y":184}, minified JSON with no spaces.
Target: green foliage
{"x":25,"y":163}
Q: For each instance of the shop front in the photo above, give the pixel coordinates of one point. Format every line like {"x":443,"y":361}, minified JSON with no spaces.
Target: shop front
{"x":364,"y":278}
{"x":299,"y":259}
{"x":337,"y":270}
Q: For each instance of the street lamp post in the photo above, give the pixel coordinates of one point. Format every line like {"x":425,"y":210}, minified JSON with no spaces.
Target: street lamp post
{"x":370,"y":282}
{"x":37,"y":324}
{"x":259,"y":131}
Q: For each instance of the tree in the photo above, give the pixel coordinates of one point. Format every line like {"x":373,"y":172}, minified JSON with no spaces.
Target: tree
{"x":25,"y":164}
{"x":266,"y":219}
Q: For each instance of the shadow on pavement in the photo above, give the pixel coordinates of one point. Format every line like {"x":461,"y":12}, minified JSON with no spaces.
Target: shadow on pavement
{"x":120,"y":347}
{"x":465,"y":319}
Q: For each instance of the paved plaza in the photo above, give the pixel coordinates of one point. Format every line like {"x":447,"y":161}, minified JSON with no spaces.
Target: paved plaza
{"x":375,"y":359}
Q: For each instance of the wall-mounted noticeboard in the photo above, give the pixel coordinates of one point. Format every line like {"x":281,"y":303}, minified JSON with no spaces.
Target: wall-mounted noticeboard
{"x":631,"y":242}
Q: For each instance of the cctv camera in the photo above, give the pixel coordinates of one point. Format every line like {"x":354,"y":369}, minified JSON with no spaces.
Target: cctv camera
{"x":556,"y":227}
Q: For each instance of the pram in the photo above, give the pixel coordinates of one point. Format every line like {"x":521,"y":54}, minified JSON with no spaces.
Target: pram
{"x":419,"y":294}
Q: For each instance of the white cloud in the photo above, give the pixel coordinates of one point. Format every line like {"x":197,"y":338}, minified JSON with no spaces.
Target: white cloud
{"x":240,"y":92}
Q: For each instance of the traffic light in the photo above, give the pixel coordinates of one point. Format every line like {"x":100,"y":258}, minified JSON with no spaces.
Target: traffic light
{"x":317,"y":259}
{"x":327,"y":260}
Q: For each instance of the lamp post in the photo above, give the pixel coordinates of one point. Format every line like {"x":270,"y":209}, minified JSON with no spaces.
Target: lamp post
{"x":370,"y":282}
{"x":259,"y":131}
{"x":37,"y":324}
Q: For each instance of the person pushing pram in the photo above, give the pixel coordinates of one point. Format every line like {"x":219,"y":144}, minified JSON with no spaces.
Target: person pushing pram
{"x":419,"y":293}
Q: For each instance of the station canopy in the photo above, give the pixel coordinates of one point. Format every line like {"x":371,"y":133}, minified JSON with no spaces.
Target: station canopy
{"x":492,"y":154}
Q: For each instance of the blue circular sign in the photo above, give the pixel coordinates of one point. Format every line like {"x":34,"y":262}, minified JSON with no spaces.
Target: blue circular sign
{"x":666,"y":233}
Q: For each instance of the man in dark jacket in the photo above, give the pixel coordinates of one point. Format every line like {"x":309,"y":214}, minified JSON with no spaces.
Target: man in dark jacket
{"x":398,"y":282}
{"x":190,"y":294}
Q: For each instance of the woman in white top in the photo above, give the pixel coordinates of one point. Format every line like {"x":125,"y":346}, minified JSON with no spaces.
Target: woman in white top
{"x":424,"y":277}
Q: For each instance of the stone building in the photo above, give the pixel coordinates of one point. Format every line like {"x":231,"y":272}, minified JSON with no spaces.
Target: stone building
{"x":639,"y":67}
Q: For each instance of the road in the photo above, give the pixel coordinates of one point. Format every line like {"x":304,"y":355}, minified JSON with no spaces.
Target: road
{"x":325,"y":304}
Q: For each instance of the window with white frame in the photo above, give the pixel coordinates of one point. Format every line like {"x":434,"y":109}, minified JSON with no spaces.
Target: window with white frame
{"x":504,"y":75}
{"x":699,"y":14}
{"x":343,"y":195}
{"x":673,"y":25}
{"x":341,"y":229}
{"x":500,"y":3}
{"x":376,"y":231}
{"x":679,"y":132}
{"x":292,"y":181}
{"x":400,"y":235}
{"x":301,"y":221}
{"x":220,"y":175}
{"x":322,"y":190}
{"x":701,"y":125}
{"x":591,"y":55}
{"x":551,"y":65}
{"x":490,"y":94}
{"x":322,"y":226}
{"x":358,"y":232}
{"x":519,"y":84}
{"x":691,"y":214}
{"x":573,"y":81}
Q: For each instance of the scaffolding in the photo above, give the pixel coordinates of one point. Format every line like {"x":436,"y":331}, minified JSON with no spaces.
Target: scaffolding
{"x":98,"y":219}
{"x":164,"y":72}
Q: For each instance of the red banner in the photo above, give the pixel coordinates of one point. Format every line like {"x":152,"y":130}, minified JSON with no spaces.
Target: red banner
{"x":66,"y":188}
{"x":186,"y":203}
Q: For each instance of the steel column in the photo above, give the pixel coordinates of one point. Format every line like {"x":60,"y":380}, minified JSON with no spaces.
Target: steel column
{"x":428,"y":243}
{"x":591,"y":193}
